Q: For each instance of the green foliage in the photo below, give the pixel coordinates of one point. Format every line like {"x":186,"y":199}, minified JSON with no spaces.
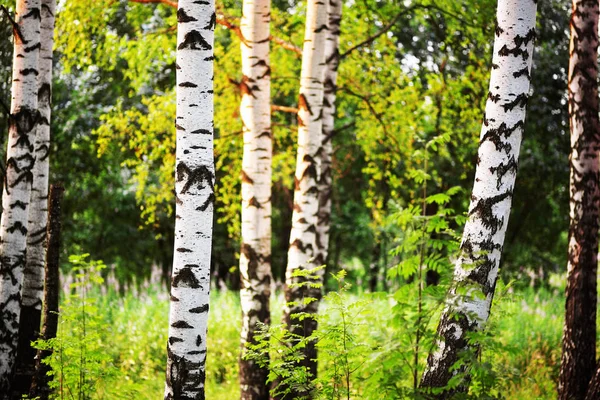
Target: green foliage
{"x":81,"y":365}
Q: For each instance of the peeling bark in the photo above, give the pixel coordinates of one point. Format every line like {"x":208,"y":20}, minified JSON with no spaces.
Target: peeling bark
{"x":477,"y":266}
{"x":578,"y":359}
{"x":255,"y":255}
{"x":40,"y":384}
{"x":17,"y":186}
{"x":303,"y":251}
{"x":195,"y":197}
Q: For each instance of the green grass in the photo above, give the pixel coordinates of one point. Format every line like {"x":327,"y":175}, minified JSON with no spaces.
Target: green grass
{"x":526,"y":328}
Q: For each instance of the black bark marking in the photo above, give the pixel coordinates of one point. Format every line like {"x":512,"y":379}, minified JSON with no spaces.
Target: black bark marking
{"x":198,"y":310}
{"x":188,"y":85}
{"x":182,"y":17}
{"x":202,"y":132}
{"x":495,"y":136}
{"x":185,"y":278}
{"x":483,"y":208}
{"x":18,"y":226}
{"x":210,"y":200}
{"x":519,"y":101}
{"x":20,"y":204}
{"x":181,"y":325}
{"x":502,"y":169}
{"x":183,"y":250}
{"x":194,"y":40}
{"x":246,"y":178}
{"x":212,"y":23}
{"x":197,"y":176}
{"x":174,"y":339}
{"x":34,"y":13}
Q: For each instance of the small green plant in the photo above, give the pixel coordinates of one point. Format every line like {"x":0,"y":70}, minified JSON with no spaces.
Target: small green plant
{"x":81,"y":365}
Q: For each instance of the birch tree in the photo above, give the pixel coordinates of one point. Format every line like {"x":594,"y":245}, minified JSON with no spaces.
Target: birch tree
{"x":303,"y":251}
{"x":194,"y":190}
{"x":332,"y":59}
{"x":578,"y":359}
{"x":255,"y":257}
{"x":19,"y":175}
{"x":33,"y":280}
{"x":477,"y":265}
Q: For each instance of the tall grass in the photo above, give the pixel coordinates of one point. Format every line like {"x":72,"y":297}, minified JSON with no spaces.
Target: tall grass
{"x":131,"y":330}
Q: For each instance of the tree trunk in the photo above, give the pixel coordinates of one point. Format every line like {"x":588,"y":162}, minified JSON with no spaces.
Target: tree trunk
{"x":303,"y":251}
{"x":255,"y":257}
{"x":578,"y":359}
{"x":195,"y":197}
{"x":39,"y":386}
{"x":33,"y":279}
{"x":477,"y":265}
{"x":593,"y":391}
{"x":332,"y":58}
{"x":19,"y":164}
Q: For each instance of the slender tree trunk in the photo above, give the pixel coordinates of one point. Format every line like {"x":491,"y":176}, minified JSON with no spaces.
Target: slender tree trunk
{"x":39,"y":385}
{"x":374,"y":266}
{"x":255,"y":257}
{"x":578,"y":360}
{"x":477,"y":266}
{"x":194,"y":188}
{"x":17,"y":187}
{"x":33,"y":280}
{"x":303,"y":251}
{"x":332,"y":58}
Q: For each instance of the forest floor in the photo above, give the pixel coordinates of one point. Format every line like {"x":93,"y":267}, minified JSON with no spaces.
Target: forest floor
{"x":123,"y":338}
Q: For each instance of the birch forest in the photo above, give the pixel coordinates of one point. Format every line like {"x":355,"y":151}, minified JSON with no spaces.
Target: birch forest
{"x":299,"y":199}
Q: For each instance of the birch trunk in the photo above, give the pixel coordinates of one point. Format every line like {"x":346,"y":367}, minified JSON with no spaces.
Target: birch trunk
{"x":332,"y":59}
{"x":578,"y":360}
{"x":15,"y":198}
{"x":477,"y":265}
{"x":33,"y":280}
{"x":40,"y":383}
{"x":303,"y":251}
{"x":255,"y":257}
{"x":195,"y":197}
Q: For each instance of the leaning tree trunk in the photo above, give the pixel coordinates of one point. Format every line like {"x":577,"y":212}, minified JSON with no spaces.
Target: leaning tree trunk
{"x":255,"y":257}
{"x":194,"y":195}
{"x":33,"y":280}
{"x":303,"y":252}
{"x":17,"y":188}
{"x":477,"y":266}
{"x":40,"y":383}
{"x":332,"y":59}
{"x":579,"y":336}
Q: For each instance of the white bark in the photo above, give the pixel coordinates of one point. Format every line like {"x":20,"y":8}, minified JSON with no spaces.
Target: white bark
{"x":194,"y":187}
{"x":332,"y":58}
{"x":477,"y":266}
{"x":33,"y":284}
{"x":303,"y":250}
{"x":255,"y":257}
{"x":17,"y":188}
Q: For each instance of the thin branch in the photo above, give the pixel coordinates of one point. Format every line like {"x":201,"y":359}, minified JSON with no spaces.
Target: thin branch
{"x":275,"y":107}
{"x":334,"y":132}
{"x":15,"y":26}
{"x":371,"y":108}
{"x":383,"y":30}
{"x":229,"y":23}
{"x":6,"y":109}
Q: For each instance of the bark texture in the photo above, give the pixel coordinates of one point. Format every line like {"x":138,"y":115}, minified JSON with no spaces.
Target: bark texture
{"x":477,"y":265}
{"x":578,"y":359}
{"x":195,"y":197}
{"x":17,"y":186}
{"x":33,"y":280}
{"x":39,"y":385}
{"x":332,"y":59}
{"x":255,"y":255}
{"x":303,"y":252}
{"x":593,"y":392}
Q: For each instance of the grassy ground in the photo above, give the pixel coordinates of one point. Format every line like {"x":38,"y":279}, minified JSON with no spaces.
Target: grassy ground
{"x":131,"y":335}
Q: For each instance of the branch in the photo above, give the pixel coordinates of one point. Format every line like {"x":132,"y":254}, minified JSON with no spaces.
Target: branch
{"x":229,"y":23}
{"x":383,"y":30}
{"x":371,"y":108}
{"x":15,"y":26}
{"x":334,"y":132}
{"x":275,"y":107}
